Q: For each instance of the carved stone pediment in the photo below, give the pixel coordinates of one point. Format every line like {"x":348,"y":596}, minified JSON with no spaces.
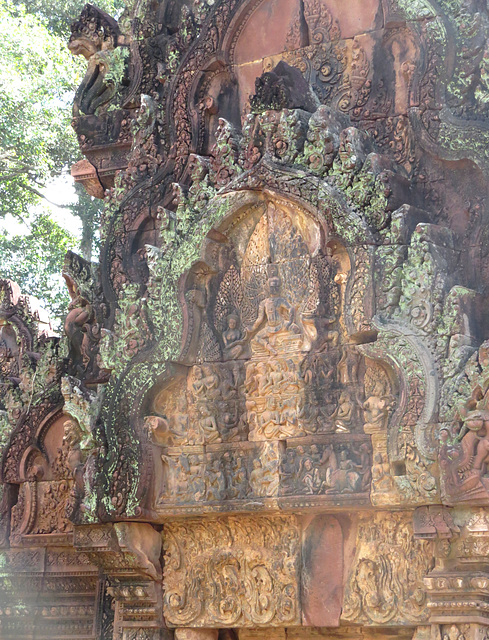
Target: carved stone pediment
{"x":269,"y":401}
{"x":269,"y":415}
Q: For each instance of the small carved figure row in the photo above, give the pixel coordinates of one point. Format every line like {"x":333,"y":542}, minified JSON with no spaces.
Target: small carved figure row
{"x":257,"y":400}
{"x":328,"y":468}
{"x":270,"y":418}
{"x":197,"y":477}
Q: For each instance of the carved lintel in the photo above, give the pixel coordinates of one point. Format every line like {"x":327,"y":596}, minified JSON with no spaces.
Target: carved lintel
{"x":385,"y":583}
{"x":259,"y":558}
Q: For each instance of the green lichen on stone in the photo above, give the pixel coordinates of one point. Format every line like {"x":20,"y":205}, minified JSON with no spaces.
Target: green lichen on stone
{"x":167,"y":267}
{"x":465,"y":140}
{"x":417,"y":9}
{"x":422,"y":285}
{"x":345,"y":222}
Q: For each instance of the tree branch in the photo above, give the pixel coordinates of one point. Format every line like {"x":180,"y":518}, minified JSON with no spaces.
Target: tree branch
{"x":41,"y":195}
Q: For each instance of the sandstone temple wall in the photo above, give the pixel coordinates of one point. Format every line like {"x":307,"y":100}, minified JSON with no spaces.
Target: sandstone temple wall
{"x":268,"y":414}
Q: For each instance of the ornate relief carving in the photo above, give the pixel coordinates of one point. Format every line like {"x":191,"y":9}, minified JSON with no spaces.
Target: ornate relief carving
{"x":275,"y":310}
{"x":41,"y":509}
{"x":339,"y":71}
{"x":232,"y":572}
{"x":465,"y":448}
{"x":84,"y":319}
{"x":386,"y":581}
{"x":95,"y":36}
{"x":339,"y":466}
{"x":284,"y":331}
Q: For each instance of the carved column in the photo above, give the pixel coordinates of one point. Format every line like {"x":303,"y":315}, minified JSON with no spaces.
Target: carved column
{"x":129,"y":555}
{"x":458,"y":586}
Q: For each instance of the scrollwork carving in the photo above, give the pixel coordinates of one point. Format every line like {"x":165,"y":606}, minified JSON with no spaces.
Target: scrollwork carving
{"x":221,"y":574}
{"x":386,"y":581}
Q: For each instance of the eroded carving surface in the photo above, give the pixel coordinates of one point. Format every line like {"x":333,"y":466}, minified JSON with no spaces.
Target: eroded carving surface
{"x":232,"y":572}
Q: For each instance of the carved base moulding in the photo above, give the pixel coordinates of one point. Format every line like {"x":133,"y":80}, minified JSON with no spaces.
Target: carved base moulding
{"x":49,"y":592}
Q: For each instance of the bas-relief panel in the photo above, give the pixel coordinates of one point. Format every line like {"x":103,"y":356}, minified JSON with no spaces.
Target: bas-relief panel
{"x":385,"y":583}
{"x":274,"y":405}
{"x":232,"y":572}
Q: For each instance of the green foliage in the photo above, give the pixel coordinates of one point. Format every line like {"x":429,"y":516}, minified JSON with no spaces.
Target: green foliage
{"x":118,"y":64}
{"x":38,"y":79}
{"x":58,"y":15}
{"x":36,"y":259}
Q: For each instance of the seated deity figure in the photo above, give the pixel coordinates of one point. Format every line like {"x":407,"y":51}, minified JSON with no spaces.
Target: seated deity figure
{"x":376,"y":409}
{"x":311,"y":482}
{"x":210,"y":383}
{"x":382,"y":481}
{"x":270,"y":419}
{"x":208,"y":427}
{"x":198,"y":382}
{"x":231,"y":426}
{"x":275,"y":314}
{"x":234,"y":339}
{"x":264,"y":382}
